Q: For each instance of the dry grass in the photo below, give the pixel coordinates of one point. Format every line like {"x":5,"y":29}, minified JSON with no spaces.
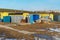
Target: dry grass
{"x":30,"y":28}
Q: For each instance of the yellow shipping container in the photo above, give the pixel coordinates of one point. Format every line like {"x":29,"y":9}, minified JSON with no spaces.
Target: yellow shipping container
{"x":51,"y":15}
{"x":4,"y":14}
{"x":43,"y":15}
{"x":25,"y":15}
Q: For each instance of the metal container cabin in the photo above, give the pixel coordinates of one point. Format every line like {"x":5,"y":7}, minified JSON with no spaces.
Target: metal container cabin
{"x":30,"y":19}
{"x":16,"y":18}
{"x":7,"y":19}
{"x":35,"y":17}
{"x":57,"y":18}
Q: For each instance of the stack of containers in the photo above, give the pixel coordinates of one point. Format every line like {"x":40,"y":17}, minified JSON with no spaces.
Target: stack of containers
{"x":7,"y":19}
{"x":16,"y":18}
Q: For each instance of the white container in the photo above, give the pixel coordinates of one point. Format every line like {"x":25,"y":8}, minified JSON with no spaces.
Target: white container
{"x":16,"y":19}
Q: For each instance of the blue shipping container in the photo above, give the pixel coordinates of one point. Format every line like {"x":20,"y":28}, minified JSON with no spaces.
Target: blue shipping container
{"x":35,"y":17}
{"x":31,"y":18}
{"x":7,"y":19}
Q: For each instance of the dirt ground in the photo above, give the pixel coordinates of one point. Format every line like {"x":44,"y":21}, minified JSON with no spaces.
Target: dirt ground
{"x":30,"y":28}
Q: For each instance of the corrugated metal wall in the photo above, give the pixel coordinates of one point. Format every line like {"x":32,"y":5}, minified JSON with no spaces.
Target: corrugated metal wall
{"x":16,"y":19}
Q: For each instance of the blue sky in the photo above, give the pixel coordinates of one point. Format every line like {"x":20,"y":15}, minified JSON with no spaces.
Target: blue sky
{"x":31,"y":4}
